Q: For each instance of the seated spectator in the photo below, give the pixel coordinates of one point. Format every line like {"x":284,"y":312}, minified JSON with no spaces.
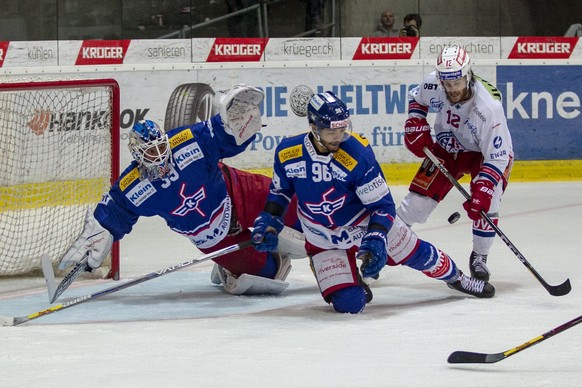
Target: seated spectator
{"x":412,"y":24}
{"x":386,"y":25}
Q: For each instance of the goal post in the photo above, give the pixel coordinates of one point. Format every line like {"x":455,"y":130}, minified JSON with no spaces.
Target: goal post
{"x":59,"y":152}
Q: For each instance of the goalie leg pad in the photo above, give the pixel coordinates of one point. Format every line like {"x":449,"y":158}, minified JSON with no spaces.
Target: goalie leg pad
{"x":247,"y":284}
{"x":291,"y":244}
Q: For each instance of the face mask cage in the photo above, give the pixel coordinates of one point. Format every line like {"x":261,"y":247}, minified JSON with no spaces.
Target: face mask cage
{"x":152,"y":156}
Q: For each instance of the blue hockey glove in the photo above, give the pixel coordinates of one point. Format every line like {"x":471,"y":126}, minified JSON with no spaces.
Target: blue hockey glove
{"x":373,"y":253}
{"x":265,"y":233}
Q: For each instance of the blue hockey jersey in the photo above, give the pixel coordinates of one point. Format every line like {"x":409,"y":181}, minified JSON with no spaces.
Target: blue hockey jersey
{"x":338,"y":194}
{"x":192,"y":198}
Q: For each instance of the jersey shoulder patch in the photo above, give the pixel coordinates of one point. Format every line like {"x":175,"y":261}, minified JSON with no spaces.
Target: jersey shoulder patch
{"x":361,"y":139}
{"x":128,"y":178}
{"x":290,"y":153}
{"x":180,"y":137}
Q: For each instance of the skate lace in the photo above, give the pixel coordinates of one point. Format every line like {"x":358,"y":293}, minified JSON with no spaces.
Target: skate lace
{"x":472,"y":284}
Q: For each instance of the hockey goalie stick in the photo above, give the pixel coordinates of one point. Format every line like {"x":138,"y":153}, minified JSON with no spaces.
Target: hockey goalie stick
{"x":559,"y":290}
{"x":55,"y":291}
{"x":14,"y":321}
{"x":461,"y":357}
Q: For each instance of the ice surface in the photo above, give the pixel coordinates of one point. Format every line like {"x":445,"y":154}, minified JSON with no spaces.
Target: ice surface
{"x":181,"y":331}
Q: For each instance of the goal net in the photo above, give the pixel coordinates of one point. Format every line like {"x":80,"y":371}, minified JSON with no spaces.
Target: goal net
{"x":59,"y":143}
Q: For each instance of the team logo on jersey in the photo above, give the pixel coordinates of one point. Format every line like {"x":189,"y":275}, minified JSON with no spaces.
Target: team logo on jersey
{"x":291,"y":153}
{"x":142,"y":191}
{"x":128,"y":179}
{"x":449,"y":142}
{"x":190,"y":203}
{"x":497,"y":142}
{"x":327,"y":207}
{"x":187,"y":155}
{"x":343,"y":158}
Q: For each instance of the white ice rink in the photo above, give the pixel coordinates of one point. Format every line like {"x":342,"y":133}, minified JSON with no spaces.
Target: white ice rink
{"x":181,"y":331}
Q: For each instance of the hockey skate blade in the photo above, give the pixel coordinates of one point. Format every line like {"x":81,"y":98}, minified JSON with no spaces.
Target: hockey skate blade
{"x":49,"y":276}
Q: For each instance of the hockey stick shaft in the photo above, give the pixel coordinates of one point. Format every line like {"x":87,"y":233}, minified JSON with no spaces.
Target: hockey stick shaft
{"x":13,"y":321}
{"x":461,"y":357}
{"x":559,"y":290}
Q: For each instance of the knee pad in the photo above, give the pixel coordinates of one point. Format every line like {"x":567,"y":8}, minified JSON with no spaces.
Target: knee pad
{"x":416,"y":208}
{"x":349,"y":300}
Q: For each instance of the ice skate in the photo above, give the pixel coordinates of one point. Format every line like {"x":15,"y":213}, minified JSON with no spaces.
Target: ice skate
{"x":472,"y":286}
{"x":478,"y":265}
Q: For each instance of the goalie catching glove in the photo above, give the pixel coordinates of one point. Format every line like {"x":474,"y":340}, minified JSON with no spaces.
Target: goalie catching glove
{"x":240,"y":112}
{"x":95,"y":243}
{"x":417,"y":136}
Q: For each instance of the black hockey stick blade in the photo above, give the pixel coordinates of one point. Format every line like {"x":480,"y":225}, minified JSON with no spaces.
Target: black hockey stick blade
{"x":561,"y":289}
{"x":461,"y":357}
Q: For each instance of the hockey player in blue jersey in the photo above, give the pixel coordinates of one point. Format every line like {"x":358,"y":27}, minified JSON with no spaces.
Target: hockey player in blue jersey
{"x":177,"y":175}
{"x":346,"y":211}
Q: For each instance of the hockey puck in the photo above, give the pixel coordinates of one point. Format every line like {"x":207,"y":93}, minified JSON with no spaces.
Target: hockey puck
{"x":454,"y":217}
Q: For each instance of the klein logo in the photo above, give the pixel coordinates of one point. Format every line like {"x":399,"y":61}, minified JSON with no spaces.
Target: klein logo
{"x":102,"y":52}
{"x":237,"y":49}
{"x":385,"y":48}
{"x":542,"y":47}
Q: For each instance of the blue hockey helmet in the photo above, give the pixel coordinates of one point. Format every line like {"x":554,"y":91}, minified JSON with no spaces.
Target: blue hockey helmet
{"x":325,"y":110}
{"x":150,"y":147}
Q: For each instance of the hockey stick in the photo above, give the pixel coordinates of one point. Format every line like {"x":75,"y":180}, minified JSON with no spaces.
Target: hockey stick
{"x":559,"y":290}
{"x":460,"y":357}
{"x":13,"y":321}
{"x":49,"y":276}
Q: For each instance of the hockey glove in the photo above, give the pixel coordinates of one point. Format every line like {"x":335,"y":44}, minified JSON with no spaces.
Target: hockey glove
{"x":240,"y":112}
{"x":481,"y":193}
{"x":265,"y":232}
{"x":95,"y":243}
{"x":373,"y":253}
{"x":417,"y":136}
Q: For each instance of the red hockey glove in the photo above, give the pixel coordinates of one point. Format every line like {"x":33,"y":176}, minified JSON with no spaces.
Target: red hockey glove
{"x":417,"y":136}
{"x":481,"y":193}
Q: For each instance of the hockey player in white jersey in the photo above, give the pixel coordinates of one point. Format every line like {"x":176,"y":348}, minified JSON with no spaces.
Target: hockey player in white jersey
{"x":472,"y":137}
{"x":346,"y":212}
{"x":177,"y":175}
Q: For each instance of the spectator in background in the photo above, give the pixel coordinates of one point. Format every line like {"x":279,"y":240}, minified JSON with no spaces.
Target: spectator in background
{"x":386,"y":25}
{"x":245,"y":25}
{"x":314,"y":16}
{"x":412,"y":24}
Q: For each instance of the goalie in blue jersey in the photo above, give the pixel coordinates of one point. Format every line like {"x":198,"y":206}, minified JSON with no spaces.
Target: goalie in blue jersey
{"x":177,"y":175}
{"x":346,"y":212}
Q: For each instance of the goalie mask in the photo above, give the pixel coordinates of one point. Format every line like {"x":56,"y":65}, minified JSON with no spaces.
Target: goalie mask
{"x":454,"y":72}
{"x":329,"y":120}
{"x":150,"y":147}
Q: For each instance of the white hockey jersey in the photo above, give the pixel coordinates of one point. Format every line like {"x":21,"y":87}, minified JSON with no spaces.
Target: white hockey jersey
{"x":478,"y":124}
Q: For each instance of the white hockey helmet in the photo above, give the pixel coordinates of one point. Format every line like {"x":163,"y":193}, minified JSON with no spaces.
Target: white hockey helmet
{"x":454,"y":63}
{"x":150,"y":147}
